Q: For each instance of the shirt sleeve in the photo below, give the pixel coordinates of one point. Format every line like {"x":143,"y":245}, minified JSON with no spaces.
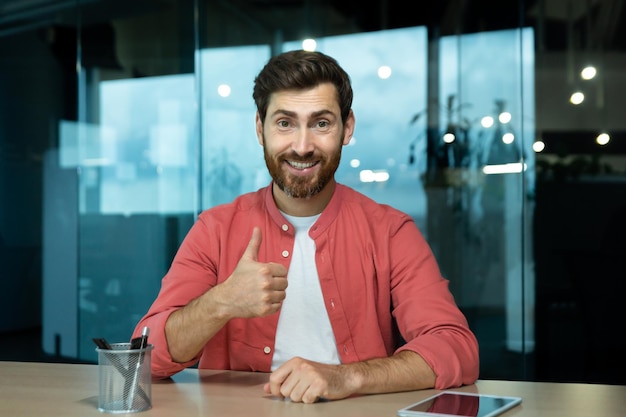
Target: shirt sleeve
{"x":426,"y":313}
{"x":191,"y":274}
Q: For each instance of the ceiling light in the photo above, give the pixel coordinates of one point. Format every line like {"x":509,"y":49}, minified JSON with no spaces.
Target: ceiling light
{"x":508,"y":138}
{"x":309,"y":44}
{"x":486,"y":122}
{"x":603,"y":138}
{"x":448,"y":137}
{"x":504,"y":117}
{"x":577,"y":98}
{"x":384,"y":72}
{"x":588,"y":73}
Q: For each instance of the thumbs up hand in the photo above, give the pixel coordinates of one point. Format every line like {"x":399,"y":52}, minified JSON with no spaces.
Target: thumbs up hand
{"x":254,"y":289}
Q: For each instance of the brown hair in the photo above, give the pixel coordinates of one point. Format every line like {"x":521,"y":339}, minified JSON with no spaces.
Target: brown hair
{"x":299,"y":69}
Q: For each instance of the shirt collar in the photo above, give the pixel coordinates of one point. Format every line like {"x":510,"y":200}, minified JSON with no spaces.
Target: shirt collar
{"x":328,"y":215}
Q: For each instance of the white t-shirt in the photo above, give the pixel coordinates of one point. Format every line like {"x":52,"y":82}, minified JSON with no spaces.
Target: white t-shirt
{"x":303,"y":326}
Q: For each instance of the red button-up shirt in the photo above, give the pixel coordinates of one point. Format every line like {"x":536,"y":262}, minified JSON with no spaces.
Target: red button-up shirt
{"x":375,"y":269}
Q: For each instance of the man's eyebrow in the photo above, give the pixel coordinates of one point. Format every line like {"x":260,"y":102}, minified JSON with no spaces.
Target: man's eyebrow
{"x":322,"y":113}
{"x":284,"y":112}
{"x":290,"y":113}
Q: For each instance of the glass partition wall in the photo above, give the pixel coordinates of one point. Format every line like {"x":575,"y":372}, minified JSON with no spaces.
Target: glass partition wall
{"x":149,"y":119}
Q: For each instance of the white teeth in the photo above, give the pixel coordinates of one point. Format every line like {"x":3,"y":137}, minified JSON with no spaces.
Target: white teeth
{"x":301,"y":165}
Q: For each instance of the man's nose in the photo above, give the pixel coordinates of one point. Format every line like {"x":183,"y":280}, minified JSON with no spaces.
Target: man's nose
{"x":303,"y":142}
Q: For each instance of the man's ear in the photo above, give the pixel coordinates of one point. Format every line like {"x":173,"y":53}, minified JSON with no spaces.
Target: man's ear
{"x":348,"y":128}
{"x":259,"y":128}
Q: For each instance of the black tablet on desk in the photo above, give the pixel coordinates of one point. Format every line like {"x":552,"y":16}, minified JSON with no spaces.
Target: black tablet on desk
{"x":460,"y":404}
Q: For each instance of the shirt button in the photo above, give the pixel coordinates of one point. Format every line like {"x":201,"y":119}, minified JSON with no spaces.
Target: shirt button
{"x":267,"y":349}
{"x":285,"y":227}
{"x":285,"y":253}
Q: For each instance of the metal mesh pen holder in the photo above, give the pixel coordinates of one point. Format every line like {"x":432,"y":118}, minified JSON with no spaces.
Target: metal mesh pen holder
{"x":124,"y":379}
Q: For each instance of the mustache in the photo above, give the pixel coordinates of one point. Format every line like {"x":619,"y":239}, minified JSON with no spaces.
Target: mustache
{"x":301,"y":158}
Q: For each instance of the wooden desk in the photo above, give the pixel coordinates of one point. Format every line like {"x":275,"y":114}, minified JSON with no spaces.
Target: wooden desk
{"x":52,"y":389}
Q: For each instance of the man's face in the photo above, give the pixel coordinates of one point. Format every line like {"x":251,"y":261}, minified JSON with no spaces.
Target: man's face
{"x":302,"y":138}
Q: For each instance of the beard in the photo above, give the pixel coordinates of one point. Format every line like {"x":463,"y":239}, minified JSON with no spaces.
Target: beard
{"x":302,"y":186}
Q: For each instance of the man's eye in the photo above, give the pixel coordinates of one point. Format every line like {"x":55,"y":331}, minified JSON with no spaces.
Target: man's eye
{"x":283,"y":123}
{"x":322,"y":123}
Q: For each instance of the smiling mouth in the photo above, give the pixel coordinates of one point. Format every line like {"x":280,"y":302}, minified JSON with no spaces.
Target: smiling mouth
{"x":301,"y":165}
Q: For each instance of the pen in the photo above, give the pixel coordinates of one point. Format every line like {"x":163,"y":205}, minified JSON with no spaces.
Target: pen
{"x":142,"y":344}
{"x":104,"y":345}
{"x":101,"y":343}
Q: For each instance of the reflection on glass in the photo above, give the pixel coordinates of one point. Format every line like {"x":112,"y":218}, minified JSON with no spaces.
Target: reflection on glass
{"x":232,"y":157}
{"x":383,"y":106}
{"x":153,"y":120}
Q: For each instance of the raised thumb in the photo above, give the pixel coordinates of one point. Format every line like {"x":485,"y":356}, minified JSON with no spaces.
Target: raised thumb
{"x":252,"y":251}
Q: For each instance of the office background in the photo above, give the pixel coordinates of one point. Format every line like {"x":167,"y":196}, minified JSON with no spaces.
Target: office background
{"x":121,"y":120}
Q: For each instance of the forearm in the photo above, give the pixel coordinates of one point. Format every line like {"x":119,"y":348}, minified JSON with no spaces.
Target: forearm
{"x":404,"y":371}
{"x":253,"y":290}
{"x":188,"y":329}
